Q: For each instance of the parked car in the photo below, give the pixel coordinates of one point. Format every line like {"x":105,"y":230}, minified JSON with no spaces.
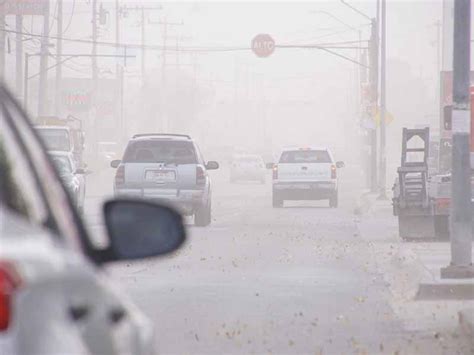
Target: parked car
{"x":54,"y":296}
{"x":247,"y":167}
{"x":72,"y":176}
{"x":167,"y":167}
{"x":305,"y":173}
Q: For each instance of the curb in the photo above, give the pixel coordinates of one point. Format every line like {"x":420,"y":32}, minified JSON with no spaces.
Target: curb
{"x":466,"y":322}
{"x":440,"y":291}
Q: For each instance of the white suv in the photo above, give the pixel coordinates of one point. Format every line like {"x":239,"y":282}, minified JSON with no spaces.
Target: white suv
{"x":169,"y":168}
{"x":305,"y":173}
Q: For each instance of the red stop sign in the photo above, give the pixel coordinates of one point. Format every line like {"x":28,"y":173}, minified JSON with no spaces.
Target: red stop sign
{"x":263,"y":45}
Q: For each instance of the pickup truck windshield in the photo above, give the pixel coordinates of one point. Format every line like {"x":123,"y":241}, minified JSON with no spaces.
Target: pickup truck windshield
{"x":55,"y":139}
{"x":305,"y":156}
{"x":155,"y":151}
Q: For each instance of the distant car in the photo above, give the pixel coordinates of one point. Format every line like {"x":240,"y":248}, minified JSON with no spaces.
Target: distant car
{"x":167,"y":167}
{"x":305,"y":173}
{"x":55,"y":297}
{"x":72,"y":177}
{"x":247,"y":167}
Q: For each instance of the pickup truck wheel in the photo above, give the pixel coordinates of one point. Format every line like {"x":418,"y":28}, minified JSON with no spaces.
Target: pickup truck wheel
{"x":334,"y":200}
{"x":277,"y":202}
{"x":202,"y":217}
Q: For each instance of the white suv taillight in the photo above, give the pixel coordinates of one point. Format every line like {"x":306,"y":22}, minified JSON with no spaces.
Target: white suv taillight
{"x":10,"y":281}
{"x":120,"y":175}
{"x":200,"y":175}
{"x":333,"y":172}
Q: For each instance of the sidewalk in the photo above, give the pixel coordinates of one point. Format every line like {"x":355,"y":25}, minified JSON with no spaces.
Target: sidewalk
{"x":419,"y":297}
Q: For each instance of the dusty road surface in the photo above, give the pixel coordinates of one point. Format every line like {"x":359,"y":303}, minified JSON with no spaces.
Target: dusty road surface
{"x":299,"y":279}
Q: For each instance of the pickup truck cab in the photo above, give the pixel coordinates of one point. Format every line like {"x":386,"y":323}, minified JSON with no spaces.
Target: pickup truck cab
{"x":305,"y":173}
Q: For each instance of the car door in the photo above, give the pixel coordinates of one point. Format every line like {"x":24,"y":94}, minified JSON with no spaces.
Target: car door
{"x":106,"y":322}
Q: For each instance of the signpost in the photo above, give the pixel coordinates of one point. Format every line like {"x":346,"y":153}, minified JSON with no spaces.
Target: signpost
{"x":263,"y":45}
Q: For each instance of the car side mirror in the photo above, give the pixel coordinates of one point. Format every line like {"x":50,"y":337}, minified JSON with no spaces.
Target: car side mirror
{"x":269,"y":165}
{"x":139,"y":229}
{"x":212,"y":165}
{"x":340,"y":164}
{"x":115,"y":163}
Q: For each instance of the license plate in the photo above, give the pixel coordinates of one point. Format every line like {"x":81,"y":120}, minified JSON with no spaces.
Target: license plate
{"x":303,"y":186}
{"x":160,"y":176}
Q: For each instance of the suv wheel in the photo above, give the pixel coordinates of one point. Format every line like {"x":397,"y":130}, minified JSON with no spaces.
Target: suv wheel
{"x":202,"y":217}
{"x":334,"y":200}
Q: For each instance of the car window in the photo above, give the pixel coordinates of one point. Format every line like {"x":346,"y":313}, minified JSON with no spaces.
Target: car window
{"x":200,"y":156}
{"x":19,"y":190}
{"x":305,"y":156}
{"x":55,"y":139}
{"x":155,"y":151}
{"x":61,"y":219}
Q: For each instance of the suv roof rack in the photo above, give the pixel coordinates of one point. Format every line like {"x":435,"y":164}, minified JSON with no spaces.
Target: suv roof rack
{"x":160,"y":134}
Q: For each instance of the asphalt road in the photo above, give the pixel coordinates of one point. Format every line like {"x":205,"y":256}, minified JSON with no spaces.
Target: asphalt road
{"x":300,"y":279}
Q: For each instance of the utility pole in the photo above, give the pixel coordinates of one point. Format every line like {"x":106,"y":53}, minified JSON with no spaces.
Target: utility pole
{"x":461,"y":232}
{"x":43,"y":79}
{"x":2,"y":43}
{"x":25,"y":84}
{"x":59,"y":52}
{"x":165,"y":24}
{"x":143,"y":44}
{"x":374,"y":80}
{"x":19,"y":54}
{"x":117,"y":34}
{"x":383,"y":105}
{"x":94,"y":45}
{"x":374,"y":85}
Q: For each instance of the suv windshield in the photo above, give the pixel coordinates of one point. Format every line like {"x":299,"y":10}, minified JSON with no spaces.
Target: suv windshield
{"x":305,"y":156}
{"x":160,"y":151}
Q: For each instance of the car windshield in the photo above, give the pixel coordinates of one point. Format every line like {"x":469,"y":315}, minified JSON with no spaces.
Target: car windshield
{"x":305,"y":156}
{"x":55,"y":139}
{"x":160,"y":151}
{"x":62,"y":164}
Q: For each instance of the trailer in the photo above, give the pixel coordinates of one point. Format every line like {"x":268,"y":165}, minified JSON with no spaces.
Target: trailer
{"x":421,"y":199}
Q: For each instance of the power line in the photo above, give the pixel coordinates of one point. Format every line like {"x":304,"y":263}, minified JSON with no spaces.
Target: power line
{"x":130,"y":45}
{"x":71,"y":17}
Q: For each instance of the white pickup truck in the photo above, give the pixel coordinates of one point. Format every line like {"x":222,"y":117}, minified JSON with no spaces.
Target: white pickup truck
{"x":305,"y":173}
